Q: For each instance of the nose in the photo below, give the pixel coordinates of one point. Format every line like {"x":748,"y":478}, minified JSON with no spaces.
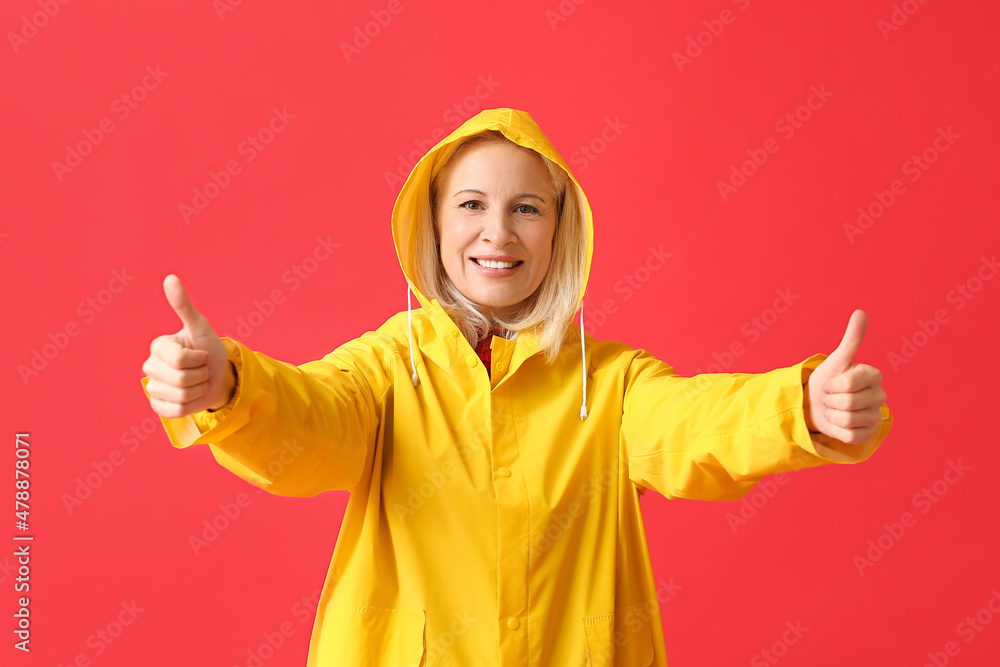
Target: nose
{"x":498,"y":229}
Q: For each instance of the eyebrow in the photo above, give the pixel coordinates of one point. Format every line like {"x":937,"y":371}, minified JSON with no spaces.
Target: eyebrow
{"x":517,"y":196}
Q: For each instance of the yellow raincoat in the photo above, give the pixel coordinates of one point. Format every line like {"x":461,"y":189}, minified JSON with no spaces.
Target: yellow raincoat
{"x":488,"y":524}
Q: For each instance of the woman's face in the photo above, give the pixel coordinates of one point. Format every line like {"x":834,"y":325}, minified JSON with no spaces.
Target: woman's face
{"x":495,"y":220}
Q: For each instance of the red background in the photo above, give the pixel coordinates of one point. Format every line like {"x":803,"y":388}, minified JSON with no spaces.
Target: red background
{"x":655,"y":184}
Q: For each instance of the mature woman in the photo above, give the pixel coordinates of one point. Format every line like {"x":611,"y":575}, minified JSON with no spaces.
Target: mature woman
{"x":495,"y":454}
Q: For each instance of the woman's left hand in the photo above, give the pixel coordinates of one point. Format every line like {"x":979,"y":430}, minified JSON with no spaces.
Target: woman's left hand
{"x":844,"y":398}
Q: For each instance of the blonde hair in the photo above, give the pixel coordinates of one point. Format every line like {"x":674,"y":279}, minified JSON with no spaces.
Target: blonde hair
{"x":549,"y":310}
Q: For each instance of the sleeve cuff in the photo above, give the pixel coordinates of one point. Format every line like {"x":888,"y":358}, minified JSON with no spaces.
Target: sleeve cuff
{"x":209,"y":419}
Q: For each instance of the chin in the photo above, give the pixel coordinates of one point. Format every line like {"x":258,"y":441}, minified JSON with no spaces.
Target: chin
{"x":488,"y":304}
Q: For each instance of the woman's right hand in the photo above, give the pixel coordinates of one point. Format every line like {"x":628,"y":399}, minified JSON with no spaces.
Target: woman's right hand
{"x":189,"y":371}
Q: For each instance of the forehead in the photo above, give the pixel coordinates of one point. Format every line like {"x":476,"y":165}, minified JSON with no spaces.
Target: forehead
{"x":498,"y":166}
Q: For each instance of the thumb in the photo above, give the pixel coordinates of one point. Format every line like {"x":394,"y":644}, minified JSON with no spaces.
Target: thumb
{"x":194,"y":322}
{"x":841,"y":358}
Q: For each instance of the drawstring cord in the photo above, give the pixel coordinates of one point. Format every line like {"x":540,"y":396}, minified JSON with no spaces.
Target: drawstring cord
{"x":583,"y":351}
{"x":409,"y":329}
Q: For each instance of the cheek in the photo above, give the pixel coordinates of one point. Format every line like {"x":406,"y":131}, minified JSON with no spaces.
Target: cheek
{"x":541,"y":246}
{"x":444,"y":233}
{"x":454,"y":241}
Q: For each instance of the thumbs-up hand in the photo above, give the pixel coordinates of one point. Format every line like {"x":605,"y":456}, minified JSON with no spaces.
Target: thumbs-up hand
{"x":844,"y":397}
{"x":189,"y":371}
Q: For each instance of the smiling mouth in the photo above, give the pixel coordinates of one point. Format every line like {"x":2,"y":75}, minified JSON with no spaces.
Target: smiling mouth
{"x":491,"y":264}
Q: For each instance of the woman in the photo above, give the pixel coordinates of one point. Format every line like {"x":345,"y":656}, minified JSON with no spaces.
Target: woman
{"x":491,"y":521}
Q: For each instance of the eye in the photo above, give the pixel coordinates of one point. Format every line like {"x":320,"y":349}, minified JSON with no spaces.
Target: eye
{"x":530,"y":209}
{"x":475,"y":203}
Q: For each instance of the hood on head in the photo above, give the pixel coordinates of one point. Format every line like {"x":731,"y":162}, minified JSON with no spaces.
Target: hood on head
{"x":413,"y":198}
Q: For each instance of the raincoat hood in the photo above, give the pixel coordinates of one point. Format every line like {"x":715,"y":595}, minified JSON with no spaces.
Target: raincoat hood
{"x":517,"y":126}
{"x":414,"y":198}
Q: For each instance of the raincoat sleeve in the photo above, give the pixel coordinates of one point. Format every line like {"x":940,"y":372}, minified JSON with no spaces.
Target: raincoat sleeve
{"x":714,"y":436}
{"x":293,"y":430}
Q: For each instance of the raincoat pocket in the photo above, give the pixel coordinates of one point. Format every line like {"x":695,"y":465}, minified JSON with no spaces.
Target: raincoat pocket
{"x":364,"y":636}
{"x":621,"y":639}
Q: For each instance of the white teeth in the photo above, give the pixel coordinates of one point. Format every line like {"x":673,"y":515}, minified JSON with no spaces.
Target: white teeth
{"x":490,"y":264}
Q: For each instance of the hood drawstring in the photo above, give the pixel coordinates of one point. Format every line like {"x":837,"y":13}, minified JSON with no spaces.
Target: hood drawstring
{"x":583,"y":352}
{"x":409,"y":330}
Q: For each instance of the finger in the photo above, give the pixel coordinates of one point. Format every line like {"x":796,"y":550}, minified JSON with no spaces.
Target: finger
{"x":175,"y":355}
{"x":858,"y":400}
{"x":841,"y":358}
{"x":179,"y":395}
{"x":156,"y":369}
{"x":851,"y":436}
{"x":167,"y":409}
{"x":851,"y":419}
{"x":179,"y":300}
{"x":856,"y":378}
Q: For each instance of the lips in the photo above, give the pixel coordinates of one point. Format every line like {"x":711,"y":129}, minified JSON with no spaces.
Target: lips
{"x":496,"y":268}
{"x":497,"y":263}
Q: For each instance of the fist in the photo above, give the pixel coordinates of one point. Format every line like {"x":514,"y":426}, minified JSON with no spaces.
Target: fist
{"x":189,"y":371}
{"x":844,"y":397}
